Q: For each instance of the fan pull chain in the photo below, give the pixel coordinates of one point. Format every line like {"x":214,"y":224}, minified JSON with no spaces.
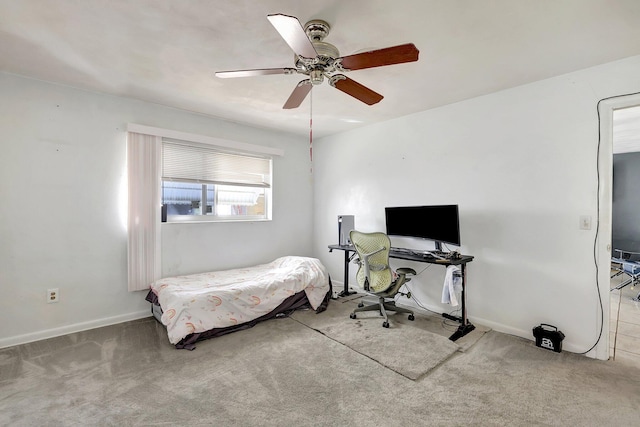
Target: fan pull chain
{"x":311,"y":130}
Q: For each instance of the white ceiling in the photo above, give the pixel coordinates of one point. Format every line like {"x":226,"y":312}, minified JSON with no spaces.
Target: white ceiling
{"x":166,"y":51}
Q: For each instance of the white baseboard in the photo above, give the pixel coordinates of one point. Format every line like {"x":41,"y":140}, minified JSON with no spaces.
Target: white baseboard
{"x":69,"y":329}
{"x":505,"y":329}
{"x":528,"y":334}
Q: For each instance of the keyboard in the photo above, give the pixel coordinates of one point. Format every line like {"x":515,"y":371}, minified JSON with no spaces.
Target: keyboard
{"x":403,"y":250}
{"x":436,"y":255}
{"x":440,"y":253}
{"x":416,"y":252}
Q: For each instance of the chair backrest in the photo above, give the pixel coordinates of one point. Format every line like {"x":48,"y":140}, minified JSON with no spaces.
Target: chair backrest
{"x":374,"y":247}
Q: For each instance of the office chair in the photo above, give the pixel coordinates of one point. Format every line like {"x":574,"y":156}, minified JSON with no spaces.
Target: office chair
{"x":376,"y":277}
{"x":623,"y":264}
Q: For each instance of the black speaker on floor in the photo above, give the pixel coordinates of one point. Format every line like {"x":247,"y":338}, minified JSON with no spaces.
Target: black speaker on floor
{"x":549,"y":337}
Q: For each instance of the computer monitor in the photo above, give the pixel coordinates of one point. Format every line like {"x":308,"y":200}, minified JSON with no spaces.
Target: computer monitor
{"x":439,"y":223}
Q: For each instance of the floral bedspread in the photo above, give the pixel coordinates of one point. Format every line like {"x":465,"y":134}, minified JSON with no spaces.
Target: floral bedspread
{"x":199,"y":302}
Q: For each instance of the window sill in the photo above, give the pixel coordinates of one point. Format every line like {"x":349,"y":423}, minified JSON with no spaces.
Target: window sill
{"x":214,"y":221}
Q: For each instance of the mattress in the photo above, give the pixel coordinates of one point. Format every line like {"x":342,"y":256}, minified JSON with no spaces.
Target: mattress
{"x":195,"y":304}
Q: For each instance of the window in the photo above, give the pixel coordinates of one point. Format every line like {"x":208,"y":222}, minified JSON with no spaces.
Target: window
{"x":203,"y":183}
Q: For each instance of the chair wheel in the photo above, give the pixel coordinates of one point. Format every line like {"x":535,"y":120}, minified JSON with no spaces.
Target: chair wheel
{"x":412,"y":317}
{"x":385,"y":324}
{"x":352,"y":315}
{"x":360,"y":304}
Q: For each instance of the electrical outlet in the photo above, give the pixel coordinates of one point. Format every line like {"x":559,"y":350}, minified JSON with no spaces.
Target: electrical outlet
{"x":53,"y":295}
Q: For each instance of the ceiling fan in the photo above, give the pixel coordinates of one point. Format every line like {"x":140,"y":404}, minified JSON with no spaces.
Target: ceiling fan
{"x":319,"y":60}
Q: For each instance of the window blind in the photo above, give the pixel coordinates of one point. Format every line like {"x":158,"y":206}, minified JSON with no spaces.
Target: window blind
{"x":195,"y":163}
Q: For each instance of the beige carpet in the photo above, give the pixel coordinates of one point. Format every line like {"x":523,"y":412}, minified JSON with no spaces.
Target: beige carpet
{"x":283,"y":373}
{"x":406,"y":347}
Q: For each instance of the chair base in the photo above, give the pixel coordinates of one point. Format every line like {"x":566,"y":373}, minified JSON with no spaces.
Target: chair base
{"x":382,"y":306}
{"x":632,"y":280}
{"x":631,"y":269}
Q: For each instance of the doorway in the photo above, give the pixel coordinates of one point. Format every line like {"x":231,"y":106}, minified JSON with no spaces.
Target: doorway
{"x":619,"y":313}
{"x":625,"y":308}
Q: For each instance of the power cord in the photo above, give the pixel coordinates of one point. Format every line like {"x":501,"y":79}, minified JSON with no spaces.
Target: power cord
{"x":445,"y":324}
{"x":406,"y":286}
{"x":410,"y":294}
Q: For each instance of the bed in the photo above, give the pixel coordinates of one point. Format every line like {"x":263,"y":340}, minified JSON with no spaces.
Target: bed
{"x":211,"y":304}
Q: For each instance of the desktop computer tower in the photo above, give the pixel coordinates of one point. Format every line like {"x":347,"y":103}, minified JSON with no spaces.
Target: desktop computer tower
{"x":346,"y":223}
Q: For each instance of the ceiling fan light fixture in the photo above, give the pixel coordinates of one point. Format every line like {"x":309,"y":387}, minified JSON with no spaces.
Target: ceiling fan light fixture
{"x":316,"y":76}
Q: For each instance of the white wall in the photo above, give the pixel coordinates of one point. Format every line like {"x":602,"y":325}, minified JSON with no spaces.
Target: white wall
{"x":521,"y":164}
{"x":61,"y":179}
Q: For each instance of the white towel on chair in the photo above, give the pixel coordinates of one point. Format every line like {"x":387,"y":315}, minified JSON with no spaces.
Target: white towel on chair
{"x":452,"y":284}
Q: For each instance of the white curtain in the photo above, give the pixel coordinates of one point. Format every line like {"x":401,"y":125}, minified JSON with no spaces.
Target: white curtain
{"x":144,"y":162}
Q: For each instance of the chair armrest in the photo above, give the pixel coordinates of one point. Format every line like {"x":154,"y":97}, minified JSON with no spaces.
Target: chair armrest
{"x":405,"y":270}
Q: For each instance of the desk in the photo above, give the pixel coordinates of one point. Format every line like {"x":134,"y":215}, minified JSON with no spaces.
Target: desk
{"x":465,"y":326}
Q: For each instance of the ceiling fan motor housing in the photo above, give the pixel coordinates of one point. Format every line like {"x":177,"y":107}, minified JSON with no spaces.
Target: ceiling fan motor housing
{"x":327,"y":53}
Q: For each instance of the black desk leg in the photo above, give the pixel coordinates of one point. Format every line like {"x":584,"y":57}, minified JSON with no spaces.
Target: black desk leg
{"x":465,"y":326}
{"x":345,"y":292}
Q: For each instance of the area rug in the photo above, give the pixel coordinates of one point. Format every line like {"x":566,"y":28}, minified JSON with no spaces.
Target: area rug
{"x":406,"y":347}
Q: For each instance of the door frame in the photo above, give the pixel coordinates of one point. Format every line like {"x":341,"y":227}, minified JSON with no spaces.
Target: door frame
{"x":602,"y":253}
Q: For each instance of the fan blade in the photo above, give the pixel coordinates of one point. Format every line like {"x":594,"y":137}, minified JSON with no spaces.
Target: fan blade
{"x":378,"y":58}
{"x":298,"y":95}
{"x":355,"y":89}
{"x":292,"y":32}
{"x":252,"y":73}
